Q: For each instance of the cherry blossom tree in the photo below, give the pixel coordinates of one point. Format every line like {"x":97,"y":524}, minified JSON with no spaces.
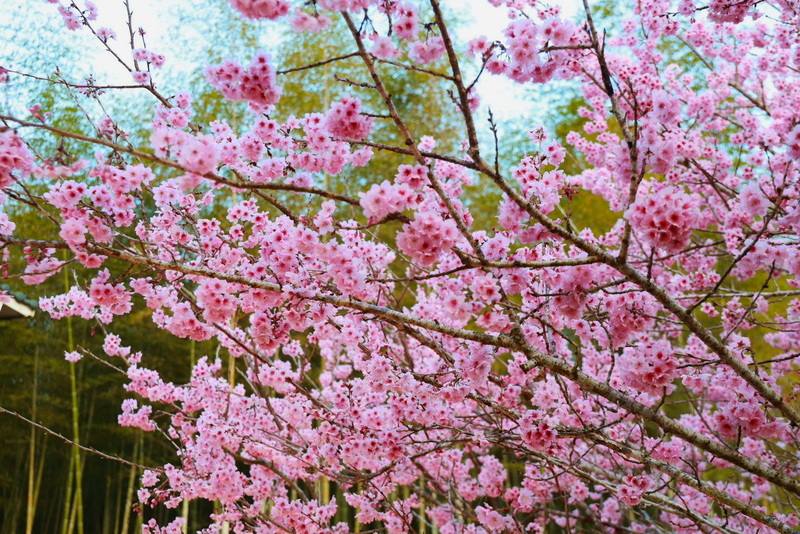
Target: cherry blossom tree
{"x":537,"y":375}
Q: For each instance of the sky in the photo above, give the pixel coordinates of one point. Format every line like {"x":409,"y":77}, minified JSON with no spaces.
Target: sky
{"x":158,"y":18}
{"x":503,"y":96}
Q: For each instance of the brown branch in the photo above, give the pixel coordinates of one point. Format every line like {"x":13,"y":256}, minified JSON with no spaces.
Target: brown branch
{"x":412,"y":68}
{"x":516,"y":341}
{"x":463,"y":96}
{"x":167,"y":163}
{"x":721,"y":497}
{"x":407,"y":136}
{"x":90,"y":450}
{"x":317,"y":64}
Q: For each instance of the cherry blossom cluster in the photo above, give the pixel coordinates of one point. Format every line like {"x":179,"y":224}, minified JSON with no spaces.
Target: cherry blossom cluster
{"x":426,"y":237}
{"x":255,"y":84}
{"x":384,"y":199}
{"x":664,"y":218}
{"x":345,"y":120}
{"x":536,"y":50}
{"x":261,"y":9}
{"x":15,"y":158}
{"x":649,"y":368}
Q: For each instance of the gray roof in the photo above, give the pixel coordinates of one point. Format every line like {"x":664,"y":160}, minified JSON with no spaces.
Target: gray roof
{"x":10,"y":308}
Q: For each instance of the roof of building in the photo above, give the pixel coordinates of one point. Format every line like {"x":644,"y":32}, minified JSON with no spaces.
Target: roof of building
{"x":10,"y":308}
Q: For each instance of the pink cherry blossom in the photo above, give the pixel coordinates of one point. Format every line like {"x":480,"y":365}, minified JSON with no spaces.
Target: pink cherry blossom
{"x":255,"y":84}
{"x":261,"y":9}
{"x":593,"y":325}
{"x":427,"y":237}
